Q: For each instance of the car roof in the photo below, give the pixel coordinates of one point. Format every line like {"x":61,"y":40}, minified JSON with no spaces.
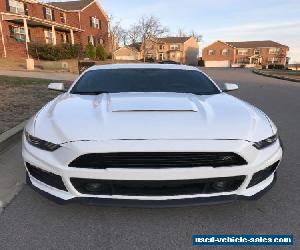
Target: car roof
{"x":142,"y":66}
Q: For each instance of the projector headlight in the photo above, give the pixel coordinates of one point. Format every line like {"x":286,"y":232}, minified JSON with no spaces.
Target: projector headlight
{"x":41,"y":144}
{"x":267,"y":142}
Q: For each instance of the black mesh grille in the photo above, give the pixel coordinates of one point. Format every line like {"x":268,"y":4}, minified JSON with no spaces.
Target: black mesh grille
{"x":48,"y":178}
{"x":263,"y":174}
{"x":157,"y":188}
{"x":156,"y":160}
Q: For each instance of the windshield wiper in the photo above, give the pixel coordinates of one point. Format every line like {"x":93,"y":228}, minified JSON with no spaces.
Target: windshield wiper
{"x":89,"y":92}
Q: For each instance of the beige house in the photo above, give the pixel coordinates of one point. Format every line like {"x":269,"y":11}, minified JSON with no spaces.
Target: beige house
{"x":184,"y":50}
{"x":128,"y":53}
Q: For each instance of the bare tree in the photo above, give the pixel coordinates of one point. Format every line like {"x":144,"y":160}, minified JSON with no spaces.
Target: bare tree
{"x":150,"y":28}
{"x":134,"y":34}
{"x":182,"y":33}
{"x":124,"y":36}
{"x":279,"y":57}
{"x":116,"y":34}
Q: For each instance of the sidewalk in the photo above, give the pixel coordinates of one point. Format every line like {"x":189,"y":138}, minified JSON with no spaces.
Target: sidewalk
{"x":12,"y":171}
{"x":42,"y":75}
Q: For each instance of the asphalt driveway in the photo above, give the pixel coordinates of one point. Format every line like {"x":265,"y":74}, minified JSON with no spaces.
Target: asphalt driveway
{"x":33,"y":222}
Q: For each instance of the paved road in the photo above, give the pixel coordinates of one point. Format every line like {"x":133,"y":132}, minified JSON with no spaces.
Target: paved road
{"x":33,"y":222}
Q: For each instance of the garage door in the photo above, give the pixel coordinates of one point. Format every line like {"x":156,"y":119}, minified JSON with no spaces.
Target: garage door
{"x":225,"y":63}
{"x":125,"y":58}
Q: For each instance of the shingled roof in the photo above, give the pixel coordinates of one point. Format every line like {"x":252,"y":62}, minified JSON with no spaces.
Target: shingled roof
{"x":136,"y":46}
{"x":171,"y":39}
{"x":72,"y":5}
{"x":256,"y":44}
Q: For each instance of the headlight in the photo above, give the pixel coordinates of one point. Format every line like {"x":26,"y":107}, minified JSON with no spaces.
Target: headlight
{"x":267,"y":142}
{"x":41,"y":144}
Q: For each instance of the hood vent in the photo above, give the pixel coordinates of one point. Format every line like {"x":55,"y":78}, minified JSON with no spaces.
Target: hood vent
{"x":133,"y":104}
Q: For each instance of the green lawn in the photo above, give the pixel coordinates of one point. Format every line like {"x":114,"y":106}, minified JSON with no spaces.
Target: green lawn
{"x":21,"y":97}
{"x":293,"y":74}
{"x":9,"y":80}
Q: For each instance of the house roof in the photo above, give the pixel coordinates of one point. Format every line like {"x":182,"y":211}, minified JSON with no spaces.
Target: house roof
{"x":256,"y":44}
{"x":136,"y":46}
{"x":174,"y":39}
{"x":72,"y":5}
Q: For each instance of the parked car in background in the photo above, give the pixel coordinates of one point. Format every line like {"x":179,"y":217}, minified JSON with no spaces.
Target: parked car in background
{"x":168,"y":62}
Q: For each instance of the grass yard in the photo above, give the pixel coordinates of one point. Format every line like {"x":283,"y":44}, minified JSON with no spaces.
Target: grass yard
{"x":285,"y":73}
{"x":20,"y":98}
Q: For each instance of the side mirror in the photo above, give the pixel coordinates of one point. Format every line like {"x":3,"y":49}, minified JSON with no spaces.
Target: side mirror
{"x":230,"y":87}
{"x":57,"y":86}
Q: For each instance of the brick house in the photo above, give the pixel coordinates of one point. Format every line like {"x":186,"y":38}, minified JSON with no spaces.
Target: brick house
{"x":76,"y":22}
{"x":250,"y":54}
{"x":183,"y":50}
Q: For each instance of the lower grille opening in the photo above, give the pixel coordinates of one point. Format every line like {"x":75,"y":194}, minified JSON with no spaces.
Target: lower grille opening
{"x":48,"y":178}
{"x":157,"y":188}
{"x":263,"y":174}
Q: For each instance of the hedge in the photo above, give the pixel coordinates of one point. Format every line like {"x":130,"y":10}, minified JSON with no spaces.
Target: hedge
{"x":101,"y":53}
{"x":54,"y":52}
{"x":90,"y":51}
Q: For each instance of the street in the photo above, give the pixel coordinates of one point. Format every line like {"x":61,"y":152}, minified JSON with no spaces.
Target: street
{"x":31,"y":221}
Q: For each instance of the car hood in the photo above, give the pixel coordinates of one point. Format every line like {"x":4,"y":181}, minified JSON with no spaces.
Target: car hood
{"x":150,"y":116}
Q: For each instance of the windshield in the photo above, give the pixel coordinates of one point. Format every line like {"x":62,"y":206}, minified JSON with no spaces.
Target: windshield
{"x":144,"y":80}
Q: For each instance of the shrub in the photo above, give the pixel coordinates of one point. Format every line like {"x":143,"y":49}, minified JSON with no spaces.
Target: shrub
{"x":276,"y":66}
{"x":53,"y":52}
{"x":109,"y":56}
{"x":101,"y":53}
{"x":90,"y":51}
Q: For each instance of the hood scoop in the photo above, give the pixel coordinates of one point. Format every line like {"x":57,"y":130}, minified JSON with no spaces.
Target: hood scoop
{"x":143,"y":104}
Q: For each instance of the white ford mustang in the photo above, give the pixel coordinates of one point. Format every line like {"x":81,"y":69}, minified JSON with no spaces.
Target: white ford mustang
{"x":149,"y":135}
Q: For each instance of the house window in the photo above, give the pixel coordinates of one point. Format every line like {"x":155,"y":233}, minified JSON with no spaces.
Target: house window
{"x":17,"y":33}
{"x":161,"y":47}
{"x":91,"y":40}
{"x":242,"y":52}
{"x":211,"y":52}
{"x":243,"y":60}
{"x":95,"y":22}
{"x":48,"y":13}
{"x":49,"y":36}
{"x":161,"y":56}
{"x":63,"y":17}
{"x":256,"y":52}
{"x":175,"y":47}
{"x":101,"y":41}
{"x":273,"y":50}
{"x":273,"y":60}
{"x":225,"y":52}
{"x":149,"y":56}
{"x":64,"y":38}
{"x":16,"y":7}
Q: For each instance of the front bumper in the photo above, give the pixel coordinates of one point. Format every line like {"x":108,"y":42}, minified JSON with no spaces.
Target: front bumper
{"x":110,"y":202}
{"x":57,"y":163}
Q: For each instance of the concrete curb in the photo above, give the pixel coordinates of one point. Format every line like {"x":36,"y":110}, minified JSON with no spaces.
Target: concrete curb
{"x":10,"y":182}
{"x":11,"y":132}
{"x":277,"y":77}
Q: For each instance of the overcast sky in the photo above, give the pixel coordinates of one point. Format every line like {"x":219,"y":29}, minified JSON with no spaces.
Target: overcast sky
{"x":227,"y":20}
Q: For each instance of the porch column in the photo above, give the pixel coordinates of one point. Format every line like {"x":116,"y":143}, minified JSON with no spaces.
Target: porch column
{"x":2,"y":37}
{"x":72,"y":36}
{"x":53,"y":35}
{"x":26,"y":35}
